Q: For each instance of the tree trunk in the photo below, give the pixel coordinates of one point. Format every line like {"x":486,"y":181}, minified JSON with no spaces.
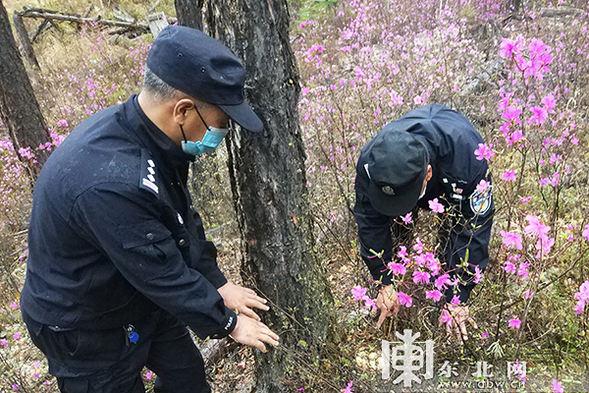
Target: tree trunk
{"x":189,"y":13}
{"x":18,"y":106}
{"x":268,"y":179}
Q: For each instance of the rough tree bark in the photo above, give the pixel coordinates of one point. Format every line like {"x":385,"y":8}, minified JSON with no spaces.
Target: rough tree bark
{"x":19,"y":109}
{"x":189,"y":13}
{"x":269,"y":187}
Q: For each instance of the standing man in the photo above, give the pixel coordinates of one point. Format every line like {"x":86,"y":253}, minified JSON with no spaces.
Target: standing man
{"x":426,"y":154}
{"x":119,"y":263}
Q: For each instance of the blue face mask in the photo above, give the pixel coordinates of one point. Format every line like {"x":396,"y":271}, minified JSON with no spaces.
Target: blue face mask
{"x":210,"y":141}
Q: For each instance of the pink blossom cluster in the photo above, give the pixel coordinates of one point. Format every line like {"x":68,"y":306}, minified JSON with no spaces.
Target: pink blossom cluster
{"x":359,"y":294}
{"x":582,"y":297}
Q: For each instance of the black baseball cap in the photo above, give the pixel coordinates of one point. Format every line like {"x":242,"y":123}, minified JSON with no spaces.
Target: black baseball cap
{"x":196,"y":64}
{"x":396,"y":164}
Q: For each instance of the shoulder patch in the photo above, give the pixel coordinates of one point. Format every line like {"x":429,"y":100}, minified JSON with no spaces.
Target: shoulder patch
{"x":148,"y":175}
{"x":480,"y":202}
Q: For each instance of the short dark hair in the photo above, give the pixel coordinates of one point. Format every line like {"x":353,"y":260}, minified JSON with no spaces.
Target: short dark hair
{"x":160,"y":91}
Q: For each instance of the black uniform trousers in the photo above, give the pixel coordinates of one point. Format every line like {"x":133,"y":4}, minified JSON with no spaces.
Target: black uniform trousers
{"x":100,"y":361}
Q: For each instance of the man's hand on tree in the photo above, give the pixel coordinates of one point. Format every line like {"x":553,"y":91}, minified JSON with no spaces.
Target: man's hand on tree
{"x":254,"y":333}
{"x":242,"y":300}
{"x":455,"y":317}
{"x":388,"y":304}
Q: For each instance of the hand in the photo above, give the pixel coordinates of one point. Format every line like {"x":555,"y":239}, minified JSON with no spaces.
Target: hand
{"x":455,"y":318}
{"x":242,"y":299}
{"x":388,"y":304}
{"x":251,"y":332}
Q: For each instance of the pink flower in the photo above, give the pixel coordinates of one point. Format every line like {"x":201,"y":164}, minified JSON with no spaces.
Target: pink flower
{"x":446,"y":318}
{"x":397,"y":268}
{"x":369,"y":303}
{"x":4,"y":342}
{"x":510,"y":47}
{"x":420,"y":277}
{"x":515,"y":323}
{"x":525,"y":200}
{"x":14,"y":305}
{"x":348,"y":388}
{"x":435,"y":206}
{"x":528,"y":294}
{"x":148,"y":375}
{"x":586,"y":232}
{"x":511,"y":239}
{"x":347,"y":34}
{"x":583,"y":293}
{"x":478,"y":275}
{"x":483,"y":185}
{"x":418,"y":246}
{"x":522,"y":270}
{"x":511,"y":113}
{"x":402,"y":252}
{"x":579,"y":307}
{"x":540,"y":115}
{"x":407,"y":219}
{"x":484,"y":152}
{"x":435,"y":295}
{"x":442,"y":281}
{"x":536,"y":228}
{"x":455,"y":300}
{"x":358,"y":292}
{"x":557,"y":386}
{"x":432,"y":263}
{"x":509,"y":267}
{"x":509,"y":176}
{"x":404,"y":299}
{"x":544,"y":245}
{"x":549,"y":103}
{"x":16,"y":335}
{"x":555,"y":179}
{"x":62,"y":123}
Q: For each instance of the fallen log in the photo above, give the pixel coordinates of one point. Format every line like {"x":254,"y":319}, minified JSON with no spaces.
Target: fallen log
{"x":23,"y":37}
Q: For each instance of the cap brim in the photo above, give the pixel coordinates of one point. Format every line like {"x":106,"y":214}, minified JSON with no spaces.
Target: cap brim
{"x":243,"y":115}
{"x":399,"y":204}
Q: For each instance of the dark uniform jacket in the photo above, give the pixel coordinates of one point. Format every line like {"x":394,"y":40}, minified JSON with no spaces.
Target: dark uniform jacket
{"x":451,"y":141}
{"x":113,"y":233}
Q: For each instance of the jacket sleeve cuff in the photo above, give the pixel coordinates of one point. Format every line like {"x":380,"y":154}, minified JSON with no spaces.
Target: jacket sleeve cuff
{"x":217,"y":278}
{"x":382,"y":275}
{"x":228,"y":324}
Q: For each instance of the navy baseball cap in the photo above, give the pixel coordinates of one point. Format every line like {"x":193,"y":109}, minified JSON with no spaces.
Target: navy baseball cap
{"x":194,"y":63}
{"x":396,"y":164}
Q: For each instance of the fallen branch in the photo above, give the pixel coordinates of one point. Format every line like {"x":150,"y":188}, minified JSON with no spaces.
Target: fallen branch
{"x":40,"y":29}
{"x":558,"y":12}
{"x":78,"y":19}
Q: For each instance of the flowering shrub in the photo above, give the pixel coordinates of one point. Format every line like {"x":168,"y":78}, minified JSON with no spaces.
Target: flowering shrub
{"x":365,"y":63}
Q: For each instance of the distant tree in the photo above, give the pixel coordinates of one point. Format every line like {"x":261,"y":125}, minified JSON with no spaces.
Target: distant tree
{"x":19,"y":109}
{"x":267,"y":174}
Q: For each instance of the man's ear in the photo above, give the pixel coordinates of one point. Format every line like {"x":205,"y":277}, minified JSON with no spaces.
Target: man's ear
{"x":429,"y":173}
{"x":182,"y":110}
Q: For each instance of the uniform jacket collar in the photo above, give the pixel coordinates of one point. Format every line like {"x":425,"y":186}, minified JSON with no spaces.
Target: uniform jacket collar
{"x":159,"y":144}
